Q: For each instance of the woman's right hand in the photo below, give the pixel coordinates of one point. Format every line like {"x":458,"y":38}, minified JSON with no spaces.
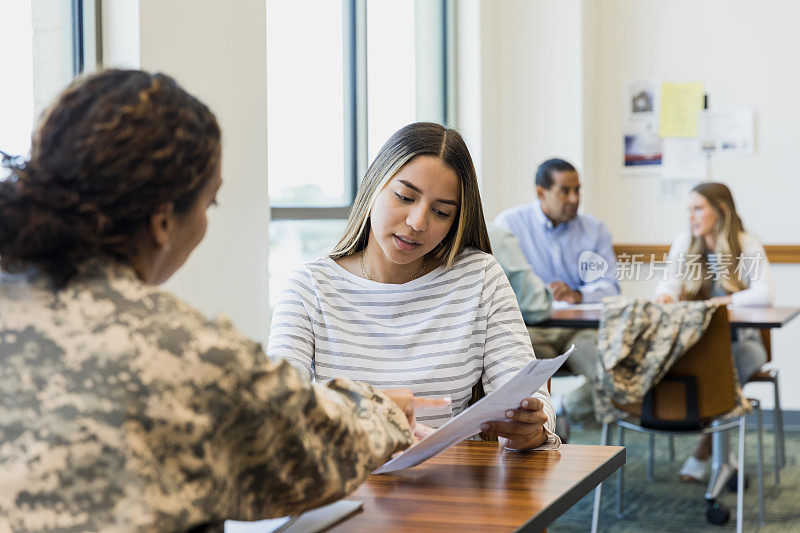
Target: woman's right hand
{"x":409,"y":403}
{"x":664,"y":299}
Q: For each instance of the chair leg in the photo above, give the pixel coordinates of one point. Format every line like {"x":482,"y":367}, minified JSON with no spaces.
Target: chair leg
{"x":620,"y":472}
{"x":672,"y":448}
{"x":740,"y":479}
{"x":651,"y":460}
{"x":760,"y":465}
{"x":780,"y":440}
{"x":598,"y":492}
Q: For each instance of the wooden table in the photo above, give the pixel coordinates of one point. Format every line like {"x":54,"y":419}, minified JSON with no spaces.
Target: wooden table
{"x":478,"y":486}
{"x":739,"y":317}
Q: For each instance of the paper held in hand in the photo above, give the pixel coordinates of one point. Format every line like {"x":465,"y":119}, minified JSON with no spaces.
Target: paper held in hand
{"x":489,"y":408}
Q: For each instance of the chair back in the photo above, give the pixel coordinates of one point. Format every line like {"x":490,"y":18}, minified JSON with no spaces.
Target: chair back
{"x":477,"y":395}
{"x":766,"y":336}
{"x":699,"y":387}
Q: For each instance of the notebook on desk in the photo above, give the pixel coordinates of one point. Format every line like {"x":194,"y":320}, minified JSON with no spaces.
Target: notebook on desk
{"x":309,"y":522}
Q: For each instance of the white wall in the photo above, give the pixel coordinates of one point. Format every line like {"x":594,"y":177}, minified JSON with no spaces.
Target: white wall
{"x":553,"y":76}
{"x":217,"y":51}
{"x":121,"y":29}
{"x":744,"y":53}
{"x":506,"y":110}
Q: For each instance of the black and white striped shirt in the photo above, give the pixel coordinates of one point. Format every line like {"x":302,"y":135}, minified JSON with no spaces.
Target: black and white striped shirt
{"x":436,"y":335}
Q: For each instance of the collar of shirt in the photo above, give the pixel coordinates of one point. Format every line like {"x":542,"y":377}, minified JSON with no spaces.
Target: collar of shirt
{"x":545,"y":222}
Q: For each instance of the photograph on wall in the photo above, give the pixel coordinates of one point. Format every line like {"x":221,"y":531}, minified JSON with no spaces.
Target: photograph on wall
{"x":642,"y":98}
{"x":642,"y":144}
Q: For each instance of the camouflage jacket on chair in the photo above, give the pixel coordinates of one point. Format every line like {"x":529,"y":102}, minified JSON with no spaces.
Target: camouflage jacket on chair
{"x":123,"y":409}
{"x":638,"y":342}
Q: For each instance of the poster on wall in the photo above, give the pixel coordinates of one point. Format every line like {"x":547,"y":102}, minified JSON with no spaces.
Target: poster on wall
{"x":681,"y":104}
{"x":727,"y":130}
{"x":642,"y":144}
{"x":684,"y":159}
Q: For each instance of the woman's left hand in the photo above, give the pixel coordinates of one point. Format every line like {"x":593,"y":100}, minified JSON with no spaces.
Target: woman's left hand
{"x":524,"y":428}
{"x":721,"y":300}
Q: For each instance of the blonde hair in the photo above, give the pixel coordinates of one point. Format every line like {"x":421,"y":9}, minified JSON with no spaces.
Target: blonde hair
{"x":420,"y":138}
{"x":728,"y":228}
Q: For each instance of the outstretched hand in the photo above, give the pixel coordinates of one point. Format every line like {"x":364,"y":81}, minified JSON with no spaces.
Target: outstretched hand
{"x":409,"y":403}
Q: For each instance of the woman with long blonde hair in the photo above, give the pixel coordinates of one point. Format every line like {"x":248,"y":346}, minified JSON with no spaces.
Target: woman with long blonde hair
{"x":718,"y":260}
{"x":410,"y":297}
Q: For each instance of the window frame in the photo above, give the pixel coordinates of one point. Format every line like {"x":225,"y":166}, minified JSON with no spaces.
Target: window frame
{"x":356,"y":99}
{"x":81,"y":30}
{"x":87,"y":52}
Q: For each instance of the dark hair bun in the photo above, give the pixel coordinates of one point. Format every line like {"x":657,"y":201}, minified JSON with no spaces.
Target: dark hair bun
{"x":114,"y":147}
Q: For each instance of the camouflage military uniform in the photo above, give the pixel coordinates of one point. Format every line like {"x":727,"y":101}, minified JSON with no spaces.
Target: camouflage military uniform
{"x":123,"y":409}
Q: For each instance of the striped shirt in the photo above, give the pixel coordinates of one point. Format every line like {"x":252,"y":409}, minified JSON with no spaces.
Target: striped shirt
{"x":438,"y":335}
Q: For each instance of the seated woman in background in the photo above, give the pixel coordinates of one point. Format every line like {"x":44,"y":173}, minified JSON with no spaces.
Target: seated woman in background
{"x":718,"y":260}
{"x":121,"y":407}
{"x":410,"y":296}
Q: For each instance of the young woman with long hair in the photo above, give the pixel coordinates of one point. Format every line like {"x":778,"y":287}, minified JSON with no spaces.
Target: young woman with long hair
{"x":410,"y":296}
{"x":718,"y":260}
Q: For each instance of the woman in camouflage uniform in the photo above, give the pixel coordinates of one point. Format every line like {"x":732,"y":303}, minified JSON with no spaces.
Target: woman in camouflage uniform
{"x":121,"y":407}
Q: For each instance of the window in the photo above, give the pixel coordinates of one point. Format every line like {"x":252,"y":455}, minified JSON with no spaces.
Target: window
{"x":342,"y":76}
{"x":50,"y":46}
{"x":305,"y":129}
{"x":391,"y":75}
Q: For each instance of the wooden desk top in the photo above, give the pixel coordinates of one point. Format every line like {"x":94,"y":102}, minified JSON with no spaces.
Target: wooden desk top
{"x":756,"y":317}
{"x":479,"y":486}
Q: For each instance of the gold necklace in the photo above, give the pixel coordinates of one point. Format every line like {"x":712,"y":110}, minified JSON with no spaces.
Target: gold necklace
{"x":367,"y":276}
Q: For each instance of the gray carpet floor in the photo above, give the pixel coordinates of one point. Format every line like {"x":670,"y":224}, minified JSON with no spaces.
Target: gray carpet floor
{"x":671,"y":505}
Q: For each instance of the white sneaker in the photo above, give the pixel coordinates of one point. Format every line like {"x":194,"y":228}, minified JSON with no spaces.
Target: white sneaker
{"x":694,"y":470}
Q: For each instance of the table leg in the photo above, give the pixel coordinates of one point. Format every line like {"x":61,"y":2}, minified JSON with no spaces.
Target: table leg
{"x":721,"y":469}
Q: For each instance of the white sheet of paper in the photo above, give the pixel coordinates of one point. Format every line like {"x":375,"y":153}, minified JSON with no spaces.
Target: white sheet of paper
{"x":594,"y":306}
{"x":728,"y":130}
{"x":260,"y":526}
{"x":489,"y":408}
{"x":314,"y":520}
{"x":683,"y":159}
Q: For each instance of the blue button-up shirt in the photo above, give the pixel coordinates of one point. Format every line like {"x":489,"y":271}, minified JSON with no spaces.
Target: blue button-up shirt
{"x":557,"y":253}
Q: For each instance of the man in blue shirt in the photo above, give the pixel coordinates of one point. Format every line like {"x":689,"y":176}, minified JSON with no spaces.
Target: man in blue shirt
{"x":574,"y":255}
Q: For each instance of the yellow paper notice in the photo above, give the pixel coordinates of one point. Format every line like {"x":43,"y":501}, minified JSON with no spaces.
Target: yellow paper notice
{"x":680,"y":106}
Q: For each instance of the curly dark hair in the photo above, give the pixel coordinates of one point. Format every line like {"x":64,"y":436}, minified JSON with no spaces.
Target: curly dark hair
{"x":114,"y":147}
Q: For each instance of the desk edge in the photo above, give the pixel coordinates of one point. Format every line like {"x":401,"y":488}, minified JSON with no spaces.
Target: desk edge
{"x":549,"y":514}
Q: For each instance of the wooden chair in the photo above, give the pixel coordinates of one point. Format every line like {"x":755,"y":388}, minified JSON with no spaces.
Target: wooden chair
{"x":768,"y":374}
{"x":699,"y":389}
